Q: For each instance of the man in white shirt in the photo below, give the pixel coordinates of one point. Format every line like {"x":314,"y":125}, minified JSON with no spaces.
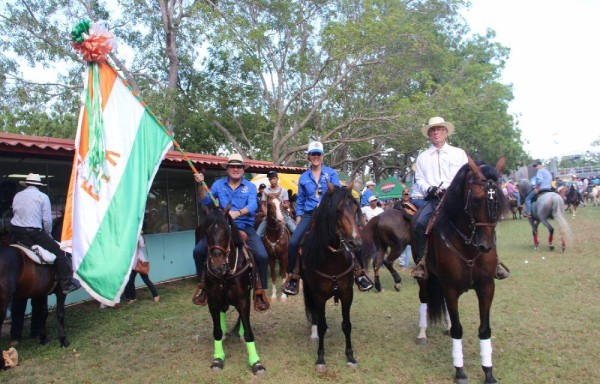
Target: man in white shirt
{"x":372,"y":209}
{"x":436,"y":168}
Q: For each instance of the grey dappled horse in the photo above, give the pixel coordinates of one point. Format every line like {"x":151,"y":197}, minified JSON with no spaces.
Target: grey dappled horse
{"x":549,"y":205}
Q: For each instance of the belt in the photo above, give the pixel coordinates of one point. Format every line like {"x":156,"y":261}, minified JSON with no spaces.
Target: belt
{"x":27,"y":228}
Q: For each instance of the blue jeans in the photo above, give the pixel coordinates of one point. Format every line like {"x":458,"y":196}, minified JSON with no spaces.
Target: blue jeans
{"x":419,"y":203}
{"x":404,"y":259}
{"x":301,"y":228}
{"x":528,"y":202}
{"x":256,"y":246}
{"x":517,"y":196}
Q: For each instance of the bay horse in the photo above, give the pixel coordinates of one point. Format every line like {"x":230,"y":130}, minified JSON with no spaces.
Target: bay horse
{"x":327,"y":264}
{"x":514,"y":208}
{"x":229,"y":278}
{"x":549,"y":205}
{"x":390,"y":229}
{"x":276,"y":240}
{"x":572,"y":200}
{"x":462,"y":255}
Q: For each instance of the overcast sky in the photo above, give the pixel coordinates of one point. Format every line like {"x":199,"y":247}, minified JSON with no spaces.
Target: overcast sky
{"x":554,"y":67}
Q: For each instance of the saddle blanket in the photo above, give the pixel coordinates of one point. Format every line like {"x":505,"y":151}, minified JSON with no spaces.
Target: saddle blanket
{"x":37,"y":254}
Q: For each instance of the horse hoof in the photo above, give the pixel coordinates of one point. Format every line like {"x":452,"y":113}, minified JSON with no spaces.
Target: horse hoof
{"x":65,"y":343}
{"x":283,"y":299}
{"x":551,"y":247}
{"x":14,"y":343}
{"x":321,"y":368}
{"x":45,"y":341}
{"x":461,"y":381}
{"x":258,"y":369}
{"x":397,"y":287}
{"x":314,"y":338}
{"x":217,"y":365}
{"x":352,"y":365}
{"x":421,"y":341}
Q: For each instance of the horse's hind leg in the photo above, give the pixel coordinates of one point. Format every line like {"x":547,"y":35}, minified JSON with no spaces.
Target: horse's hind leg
{"x":550,"y":234}
{"x":389,"y":264}
{"x":39,"y":316}
{"x":17,"y":317}
{"x":60,"y":315}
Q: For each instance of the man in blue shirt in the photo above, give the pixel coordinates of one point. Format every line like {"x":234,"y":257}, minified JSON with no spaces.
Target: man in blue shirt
{"x":369,"y":187}
{"x":312,"y":185}
{"x":543,"y":183}
{"x":241,"y":195}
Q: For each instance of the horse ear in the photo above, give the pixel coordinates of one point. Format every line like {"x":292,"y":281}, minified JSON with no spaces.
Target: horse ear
{"x":474,"y":168}
{"x":351,"y":185}
{"x":227,"y":208}
{"x":501,"y":164}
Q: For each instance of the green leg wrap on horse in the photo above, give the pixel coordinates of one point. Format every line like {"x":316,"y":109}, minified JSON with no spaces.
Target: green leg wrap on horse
{"x":252,"y":354}
{"x":219,"y":352}
{"x":224,"y":322}
{"x":241,"y":331}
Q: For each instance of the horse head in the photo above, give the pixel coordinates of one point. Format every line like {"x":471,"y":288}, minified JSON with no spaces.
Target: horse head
{"x":274,"y":207}
{"x":349,"y":219}
{"x":219,"y":239}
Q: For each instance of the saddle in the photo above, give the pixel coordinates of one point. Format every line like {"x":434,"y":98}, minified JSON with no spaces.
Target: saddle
{"x":408,"y":209}
{"x":540,"y":192}
{"x":36,"y":253}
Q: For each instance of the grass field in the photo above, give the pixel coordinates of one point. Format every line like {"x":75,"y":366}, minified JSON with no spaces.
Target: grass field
{"x":545,"y":329}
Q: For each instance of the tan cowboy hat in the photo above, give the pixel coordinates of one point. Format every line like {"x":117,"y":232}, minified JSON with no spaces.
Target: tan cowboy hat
{"x":437,"y":122}
{"x":234,"y":159}
{"x":33,"y":179}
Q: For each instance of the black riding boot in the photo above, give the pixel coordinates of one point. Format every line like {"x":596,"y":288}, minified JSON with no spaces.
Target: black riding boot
{"x":64,"y":273}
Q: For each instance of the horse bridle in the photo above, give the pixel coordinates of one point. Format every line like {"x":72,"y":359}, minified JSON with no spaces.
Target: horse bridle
{"x":491,"y":188}
{"x":227,"y":252}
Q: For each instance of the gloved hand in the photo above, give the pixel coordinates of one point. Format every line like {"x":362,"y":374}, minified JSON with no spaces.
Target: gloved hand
{"x":432,"y":192}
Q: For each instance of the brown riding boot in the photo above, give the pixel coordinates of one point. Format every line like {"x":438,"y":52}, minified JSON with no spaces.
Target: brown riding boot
{"x":502,"y":271}
{"x":261,"y":302}
{"x":200,"y":296}
{"x":420,"y":271}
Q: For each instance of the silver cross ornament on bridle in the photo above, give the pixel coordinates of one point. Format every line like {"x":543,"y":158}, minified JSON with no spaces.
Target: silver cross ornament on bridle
{"x":491,"y":194}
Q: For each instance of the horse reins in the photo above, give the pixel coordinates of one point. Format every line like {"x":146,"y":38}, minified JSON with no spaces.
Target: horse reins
{"x":226,"y":252}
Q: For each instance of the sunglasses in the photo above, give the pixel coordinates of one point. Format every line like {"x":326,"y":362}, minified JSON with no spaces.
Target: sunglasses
{"x":317,"y":154}
{"x":235,"y":166}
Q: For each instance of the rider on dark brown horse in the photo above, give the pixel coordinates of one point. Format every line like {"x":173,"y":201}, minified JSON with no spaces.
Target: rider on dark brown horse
{"x":240,"y":195}
{"x":32,"y":223}
{"x":275,"y":188}
{"x":436,"y":168}
{"x":312,"y":185}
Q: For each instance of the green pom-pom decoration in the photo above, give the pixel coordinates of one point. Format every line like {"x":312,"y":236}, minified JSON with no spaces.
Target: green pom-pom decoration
{"x":79,"y":30}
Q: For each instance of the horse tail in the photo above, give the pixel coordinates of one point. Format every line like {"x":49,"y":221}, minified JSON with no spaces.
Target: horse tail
{"x":563,"y":226}
{"x":367,"y":240}
{"x":435,"y":299}
{"x":309,"y":304}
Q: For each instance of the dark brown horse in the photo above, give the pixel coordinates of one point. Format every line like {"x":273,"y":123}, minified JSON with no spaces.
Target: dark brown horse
{"x":21,"y":278}
{"x":276,"y":240}
{"x":462,"y":255}
{"x":327,"y":264}
{"x":229,"y":278}
{"x":389,"y":229}
{"x":572,"y":200}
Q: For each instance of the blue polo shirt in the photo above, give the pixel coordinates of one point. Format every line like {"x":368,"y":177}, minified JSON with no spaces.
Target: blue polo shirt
{"x":364,"y":200}
{"x":244,"y":196}
{"x":307,"y":188}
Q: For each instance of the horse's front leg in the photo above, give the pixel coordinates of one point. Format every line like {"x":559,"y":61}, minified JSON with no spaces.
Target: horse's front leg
{"x":17,"y":317}
{"x":321,"y":328}
{"x":60,"y":315}
{"x":456,"y":332}
{"x":39,"y":316}
{"x":485,"y":296}
{"x":218,"y":319}
{"x":243,"y":309}
{"x":347,"y":329}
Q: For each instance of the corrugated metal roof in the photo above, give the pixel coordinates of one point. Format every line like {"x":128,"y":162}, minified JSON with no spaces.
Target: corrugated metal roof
{"x":50,"y":146}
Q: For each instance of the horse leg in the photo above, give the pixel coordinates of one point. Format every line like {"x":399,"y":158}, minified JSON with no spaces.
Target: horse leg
{"x":219,"y":353}
{"x":253,"y":358}
{"x":39,"y":316}
{"x":17,"y":317}
{"x":321,"y":328}
{"x":422,"y":337}
{"x":60,"y":315}
{"x":272,"y":258}
{"x":347,"y":329}
{"x":456,"y":332}
{"x":534,"y":229}
{"x":377,"y":265}
{"x":485,"y":295}
{"x":389,"y":264}
{"x":550,"y":234}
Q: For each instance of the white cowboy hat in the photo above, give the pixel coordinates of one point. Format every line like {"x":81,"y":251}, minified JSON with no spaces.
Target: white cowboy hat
{"x":437,"y":122}
{"x":372,"y":198}
{"x":315,"y":146}
{"x":234,"y":159}
{"x":33,"y":179}
{"x":369,"y":183}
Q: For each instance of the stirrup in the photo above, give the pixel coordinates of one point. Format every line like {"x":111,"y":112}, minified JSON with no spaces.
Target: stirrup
{"x":419,"y":272}
{"x":502,"y":271}
{"x":200,"y":296}
{"x":291,"y":286}
{"x":261,"y":303}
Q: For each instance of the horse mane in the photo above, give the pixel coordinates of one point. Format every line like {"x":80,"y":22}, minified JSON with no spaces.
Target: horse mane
{"x":323,"y":232}
{"x":218,"y":215}
{"x":454,"y":199}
